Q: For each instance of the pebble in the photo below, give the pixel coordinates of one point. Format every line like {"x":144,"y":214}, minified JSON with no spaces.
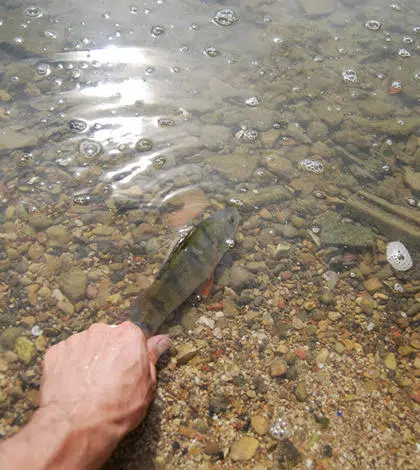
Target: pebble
{"x":309,"y":305}
{"x":334,"y":316}
{"x":25,"y":349}
{"x":327,"y":298}
{"x":416,"y":362}
{"x":73,"y":284}
{"x":373,"y":285}
{"x":8,"y":337}
{"x":300,"y":392}
{"x":322,"y":356}
{"x":244,"y":449}
{"x":186,"y":352}
{"x":367,"y":305}
{"x":390,"y":361}
{"x":212,"y":448}
{"x":339,"y":348}
{"x":278,"y":367}
{"x":297,"y":323}
{"x":259,"y":424}
{"x":58,"y":235}
{"x":282,"y":250}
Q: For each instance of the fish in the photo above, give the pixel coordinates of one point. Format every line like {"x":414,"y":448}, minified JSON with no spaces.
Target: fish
{"x":190,"y":263}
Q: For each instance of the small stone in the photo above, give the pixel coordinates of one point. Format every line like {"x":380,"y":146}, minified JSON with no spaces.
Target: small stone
{"x":278,"y":367}
{"x":416,"y":362}
{"x":218,"y":405}
{"x":297,"y":323}
{"x":35,"y":252}
{"x":367,"y":305}
{"x":327,"y":298}
{"x":25,"y":349}
{"x":334,"y":316}
{"x":58,"y":235}
{"x":390,"y":361}
{"x":9,"y":337}
{"x":66,"y":307}
{"x":405,"y":350}
{"x":309,"y":305}
{"x":289,"y":231}
{"x":259,"y":424}
{"x":339,"y":348}
{"x":322,"y":356}
{"x":212,"y":448}
{"x":186,"y":352}
{"x":282,"y":250}
{"x":244,"y":449}
{"x":73,"y":284}
{"x":373,"y":285}
{"x":300,"y":392}
{"x":317,"y":314}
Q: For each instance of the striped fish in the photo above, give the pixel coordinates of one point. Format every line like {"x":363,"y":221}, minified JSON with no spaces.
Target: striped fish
{"x":191,"y":262}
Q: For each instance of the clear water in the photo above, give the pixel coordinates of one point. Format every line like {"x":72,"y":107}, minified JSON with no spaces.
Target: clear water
{"x":140,"y":115}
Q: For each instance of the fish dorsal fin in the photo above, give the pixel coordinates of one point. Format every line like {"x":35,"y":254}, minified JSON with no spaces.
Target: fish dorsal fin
{"x":178,"y":245}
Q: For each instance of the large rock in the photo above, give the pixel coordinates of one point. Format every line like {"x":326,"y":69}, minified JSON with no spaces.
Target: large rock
{"x":318,"y":7}
{"x":335,"y":232}
{"x":412,"y":179}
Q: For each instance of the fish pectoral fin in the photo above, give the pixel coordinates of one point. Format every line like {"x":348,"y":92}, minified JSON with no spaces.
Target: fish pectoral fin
{"x":205,"y":287}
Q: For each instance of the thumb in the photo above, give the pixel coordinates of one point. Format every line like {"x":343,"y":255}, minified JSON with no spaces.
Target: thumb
{"x":157,"y":345}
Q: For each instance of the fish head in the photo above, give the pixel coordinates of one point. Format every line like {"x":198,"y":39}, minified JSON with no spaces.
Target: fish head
{"x":223,"y":226}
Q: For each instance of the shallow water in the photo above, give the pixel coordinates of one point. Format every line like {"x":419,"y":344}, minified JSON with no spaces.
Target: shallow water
{"x":120,"y":125}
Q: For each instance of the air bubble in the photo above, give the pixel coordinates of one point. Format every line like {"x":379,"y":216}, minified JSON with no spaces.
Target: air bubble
{"x":349,"y":75}
{"x":315,"y":228}
{"x":408,"y":40}
{"x":404,"y":53}
{"x":157,"y":31}
{"x":106,"y":15}
{"x":398,"y":287}
{"x":50,"y":34}
{"x":144,"y":145}
{"x":81,"y":199}
{"x":134,"y":9}
{"x":166,"y":122}
{"x":43,"y":70}
{"x":313,"y":166}
{"x":211,"y":52}
{"x":36,"y":330}
{"x":373,"y":25}
{"x":77,"y":125}
{"x":279,"y":429}
{"x":33,"y":12}
{"x":251,"y":135}
{"x":225,"y":17}
{"x":253,"y":101}
{"x":230,"y":242}
{"x":159,"y":162}
{"x":90,"y":148}
{"x":417,"y":75}
{"x":398,"y":256}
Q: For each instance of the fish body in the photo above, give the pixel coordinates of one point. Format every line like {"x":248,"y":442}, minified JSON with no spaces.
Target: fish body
{"x":191,"y":262}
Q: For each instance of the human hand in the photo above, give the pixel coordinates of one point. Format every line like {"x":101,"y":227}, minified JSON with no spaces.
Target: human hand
{"x":102,"y":380}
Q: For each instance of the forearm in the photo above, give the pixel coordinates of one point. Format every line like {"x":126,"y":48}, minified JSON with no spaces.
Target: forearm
{"x":52,"y":440}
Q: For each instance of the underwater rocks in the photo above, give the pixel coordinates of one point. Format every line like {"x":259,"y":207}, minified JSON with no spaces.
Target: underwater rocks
{"x":318,"y":8}
{"x":73,"y":284}
{"x":395,"y":222}
{"x":412,"y":179}
{"x":335,"y":232}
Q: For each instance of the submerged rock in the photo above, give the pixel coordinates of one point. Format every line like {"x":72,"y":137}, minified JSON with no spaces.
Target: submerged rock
{"x":73,"y":284}
{"x":335,"y":232}
{"x":244,"y":449}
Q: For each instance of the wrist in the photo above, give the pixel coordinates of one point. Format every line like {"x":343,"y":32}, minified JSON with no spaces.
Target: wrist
{"x":56,"y":439}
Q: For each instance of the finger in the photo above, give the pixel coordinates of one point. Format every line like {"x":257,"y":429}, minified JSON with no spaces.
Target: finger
{"x":157,"y":345}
